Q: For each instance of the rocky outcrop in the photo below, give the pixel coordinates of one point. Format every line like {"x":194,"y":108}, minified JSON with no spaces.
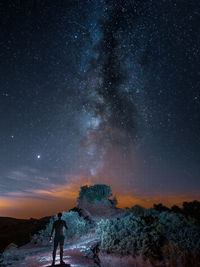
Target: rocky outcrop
{"x":95,"y":202}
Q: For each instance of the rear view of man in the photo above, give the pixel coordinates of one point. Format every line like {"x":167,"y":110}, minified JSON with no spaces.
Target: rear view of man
{"x":58,"y":226}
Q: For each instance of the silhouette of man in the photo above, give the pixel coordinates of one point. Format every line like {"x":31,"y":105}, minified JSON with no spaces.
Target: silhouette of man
{"x":59,"y":237}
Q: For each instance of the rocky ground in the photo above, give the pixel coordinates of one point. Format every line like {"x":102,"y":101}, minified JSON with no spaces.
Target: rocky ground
{"x":77,"y":254}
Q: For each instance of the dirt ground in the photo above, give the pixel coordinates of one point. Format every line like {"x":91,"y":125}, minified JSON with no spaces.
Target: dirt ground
{"x":75,"y":255}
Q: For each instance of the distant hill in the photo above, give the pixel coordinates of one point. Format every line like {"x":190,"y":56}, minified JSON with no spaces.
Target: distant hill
{"x":19,"y":231}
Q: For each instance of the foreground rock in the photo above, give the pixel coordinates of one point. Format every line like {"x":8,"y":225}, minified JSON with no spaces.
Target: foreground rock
{"x":96,"y":202}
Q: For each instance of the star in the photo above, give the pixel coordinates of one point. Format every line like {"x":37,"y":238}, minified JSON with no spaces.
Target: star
{"x":38,"y":156}
{"x":5,"y":94}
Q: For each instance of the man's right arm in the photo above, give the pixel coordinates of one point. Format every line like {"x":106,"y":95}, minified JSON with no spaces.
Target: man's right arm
{"x":52,"y":231}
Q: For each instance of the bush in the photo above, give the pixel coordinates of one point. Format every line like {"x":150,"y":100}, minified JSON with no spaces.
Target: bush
{"x":180,"y":230}
{"x":145,"y":232}
{"x":192,"y":209}
{"x":131,"y":235}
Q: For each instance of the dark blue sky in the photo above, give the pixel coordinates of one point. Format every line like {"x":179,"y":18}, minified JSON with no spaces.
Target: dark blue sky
{"x":100,"y":89}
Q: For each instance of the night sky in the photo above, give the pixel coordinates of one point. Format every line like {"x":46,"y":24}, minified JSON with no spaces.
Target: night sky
{"x":98,"y":91}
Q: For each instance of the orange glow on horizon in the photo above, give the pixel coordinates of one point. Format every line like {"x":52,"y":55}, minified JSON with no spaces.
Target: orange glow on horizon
{"x":41,"y":203}
{"x":148,"y":201}
{"x":64,"y":198}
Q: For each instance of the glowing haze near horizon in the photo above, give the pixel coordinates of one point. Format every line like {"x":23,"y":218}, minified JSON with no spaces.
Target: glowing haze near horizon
{"x":98,"y":92}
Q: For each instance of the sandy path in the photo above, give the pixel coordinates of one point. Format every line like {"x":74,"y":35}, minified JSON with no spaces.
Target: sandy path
{"x":34,"y":256}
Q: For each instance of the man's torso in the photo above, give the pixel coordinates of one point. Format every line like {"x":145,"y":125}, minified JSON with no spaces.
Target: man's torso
{"x":58,"y":226}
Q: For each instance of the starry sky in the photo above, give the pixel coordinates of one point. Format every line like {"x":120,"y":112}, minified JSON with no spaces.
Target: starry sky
{"x":98,"y":91}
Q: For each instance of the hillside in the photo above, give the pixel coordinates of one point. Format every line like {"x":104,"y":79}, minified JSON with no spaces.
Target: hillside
{"x":19,"y":231}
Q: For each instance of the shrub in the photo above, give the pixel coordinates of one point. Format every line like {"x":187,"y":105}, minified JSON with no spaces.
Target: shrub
{"x":145,"y":232}
{"x":137,"y":210}
{"x":131,"y":235}
{"x":192,"y":209}
{"x":180,"y":230}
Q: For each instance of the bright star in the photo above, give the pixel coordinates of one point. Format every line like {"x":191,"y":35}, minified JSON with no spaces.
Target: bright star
{"x":38,"y":156}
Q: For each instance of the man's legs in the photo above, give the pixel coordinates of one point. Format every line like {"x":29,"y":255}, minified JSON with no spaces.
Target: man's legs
{"x":54,"y":254}
{"x":61,"y":249}
{"x":61,"y":253}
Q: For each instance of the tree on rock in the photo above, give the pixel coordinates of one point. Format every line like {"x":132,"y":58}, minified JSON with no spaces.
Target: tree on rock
{"x":96,"y":193}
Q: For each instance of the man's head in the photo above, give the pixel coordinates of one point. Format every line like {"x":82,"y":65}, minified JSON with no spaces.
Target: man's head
{"x":59,"y":215}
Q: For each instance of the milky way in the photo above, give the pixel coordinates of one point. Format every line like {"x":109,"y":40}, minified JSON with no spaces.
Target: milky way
{"x":99,"y":91}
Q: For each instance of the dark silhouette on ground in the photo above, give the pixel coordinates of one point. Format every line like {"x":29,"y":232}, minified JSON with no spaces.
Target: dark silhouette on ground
{"x":58,"y":227}
{"x":61,"y":265}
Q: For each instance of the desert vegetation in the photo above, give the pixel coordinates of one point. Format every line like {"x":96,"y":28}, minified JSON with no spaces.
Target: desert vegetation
{"x":154,"y":235}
